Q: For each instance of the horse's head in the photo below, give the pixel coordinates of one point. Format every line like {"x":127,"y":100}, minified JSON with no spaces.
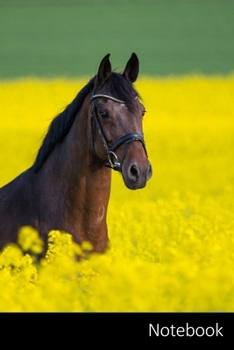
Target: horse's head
{"x":116,"y":116}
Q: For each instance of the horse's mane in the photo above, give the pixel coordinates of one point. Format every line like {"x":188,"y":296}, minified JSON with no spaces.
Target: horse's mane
{"x":116,"y":86}
{"x":61,"y":125}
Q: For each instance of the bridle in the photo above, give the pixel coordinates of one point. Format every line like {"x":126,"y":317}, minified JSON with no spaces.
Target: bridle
{"x":127,"y":139}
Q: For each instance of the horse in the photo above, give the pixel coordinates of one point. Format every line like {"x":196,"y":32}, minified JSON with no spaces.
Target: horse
{"x":67,"y":188}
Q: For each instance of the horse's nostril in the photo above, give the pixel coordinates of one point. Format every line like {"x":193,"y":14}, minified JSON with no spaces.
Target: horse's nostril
{"x":134,"y":172}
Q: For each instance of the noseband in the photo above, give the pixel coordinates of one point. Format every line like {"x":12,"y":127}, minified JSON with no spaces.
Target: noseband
{"x":127,"y":139}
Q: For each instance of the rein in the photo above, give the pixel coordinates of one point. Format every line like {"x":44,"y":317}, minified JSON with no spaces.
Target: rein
{"x":127,"y":139}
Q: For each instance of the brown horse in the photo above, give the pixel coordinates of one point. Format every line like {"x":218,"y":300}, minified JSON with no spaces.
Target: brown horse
{"x":68,"y":186}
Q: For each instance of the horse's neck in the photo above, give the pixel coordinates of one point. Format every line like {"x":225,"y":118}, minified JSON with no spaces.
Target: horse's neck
{"x":81,"y":184}
{"x":85,"y":172}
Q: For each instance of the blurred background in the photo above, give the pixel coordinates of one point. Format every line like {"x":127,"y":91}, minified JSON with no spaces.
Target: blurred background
{"x":69,"y":37}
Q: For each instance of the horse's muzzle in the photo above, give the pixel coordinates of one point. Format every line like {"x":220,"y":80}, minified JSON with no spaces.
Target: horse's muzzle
{"x":137,"y":174}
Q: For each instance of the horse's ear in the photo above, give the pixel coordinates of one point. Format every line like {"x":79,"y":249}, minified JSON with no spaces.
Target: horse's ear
{"x":132,"y":68}
{"x":104,"y":70}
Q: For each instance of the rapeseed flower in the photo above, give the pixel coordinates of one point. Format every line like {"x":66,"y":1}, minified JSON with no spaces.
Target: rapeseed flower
{"x":171,"y":243}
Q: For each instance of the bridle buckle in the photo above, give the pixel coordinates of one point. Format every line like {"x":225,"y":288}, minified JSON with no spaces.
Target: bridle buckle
{"x":116,"y":163}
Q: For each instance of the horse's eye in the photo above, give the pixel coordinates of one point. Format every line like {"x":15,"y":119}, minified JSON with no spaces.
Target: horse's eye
{"x":103,"y":114}
{"x":143,"y":113}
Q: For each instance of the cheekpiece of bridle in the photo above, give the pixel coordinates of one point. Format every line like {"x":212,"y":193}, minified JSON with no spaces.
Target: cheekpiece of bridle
{"x":127,"y":139}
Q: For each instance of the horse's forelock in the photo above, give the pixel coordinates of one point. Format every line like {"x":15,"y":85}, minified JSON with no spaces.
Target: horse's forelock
{"x":119,"y":87}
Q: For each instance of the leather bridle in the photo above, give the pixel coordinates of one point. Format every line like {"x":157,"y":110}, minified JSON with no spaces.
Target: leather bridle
{"x":127,"y":139}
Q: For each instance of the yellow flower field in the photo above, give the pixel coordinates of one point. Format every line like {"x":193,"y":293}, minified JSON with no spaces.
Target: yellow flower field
{"x":172,"y":243}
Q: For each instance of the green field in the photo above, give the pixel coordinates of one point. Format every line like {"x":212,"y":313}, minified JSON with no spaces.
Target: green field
{"x":68,"y":38}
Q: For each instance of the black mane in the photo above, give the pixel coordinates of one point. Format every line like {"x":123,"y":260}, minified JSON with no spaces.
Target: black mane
{"x":61,"y":125}
{"x":117,"y":86}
